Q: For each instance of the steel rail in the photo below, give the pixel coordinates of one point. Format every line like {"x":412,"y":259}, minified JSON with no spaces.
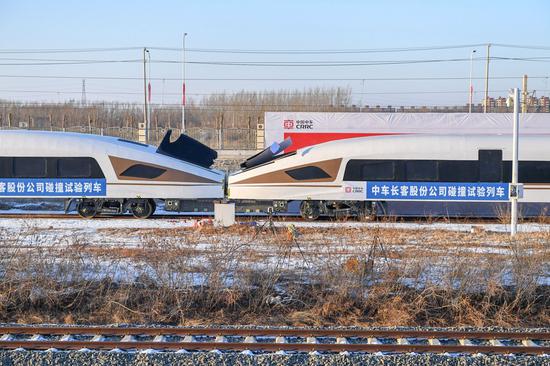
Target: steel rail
{"x":365,"y":340}
{"x":283,"y":332}
{"x":257,"y":346}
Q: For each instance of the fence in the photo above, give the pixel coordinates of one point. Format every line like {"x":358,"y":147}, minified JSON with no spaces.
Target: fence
{"x":218,"y":139}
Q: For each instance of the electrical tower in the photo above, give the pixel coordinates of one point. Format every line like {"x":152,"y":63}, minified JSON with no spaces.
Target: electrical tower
{"x":83,"y":98}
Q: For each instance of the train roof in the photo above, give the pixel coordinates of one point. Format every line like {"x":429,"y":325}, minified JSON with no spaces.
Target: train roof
{"x":420,"y":145}
{"x":69,"y":142}
{"x":353,"y":142}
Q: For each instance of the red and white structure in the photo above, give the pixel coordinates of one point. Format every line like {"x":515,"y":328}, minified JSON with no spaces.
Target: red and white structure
{"x":311,"y":128}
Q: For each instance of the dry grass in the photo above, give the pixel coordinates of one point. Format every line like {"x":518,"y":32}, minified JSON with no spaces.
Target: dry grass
{"x":315,"y":276}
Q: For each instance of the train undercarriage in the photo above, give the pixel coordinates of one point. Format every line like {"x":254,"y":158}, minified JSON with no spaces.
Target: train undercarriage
{"x":140,"y":208}
{"x":309,"y":210}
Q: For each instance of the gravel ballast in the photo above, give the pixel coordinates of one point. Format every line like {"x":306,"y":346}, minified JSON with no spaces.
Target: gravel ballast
{"x":70,"y":358}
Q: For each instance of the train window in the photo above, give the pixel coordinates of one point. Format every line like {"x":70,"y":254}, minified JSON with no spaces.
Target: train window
{"x":421,"y":170}
{"x":490,"y":165}
{"x":29,"y":167}
{"x":378,"y":170}
{"x":458,"y":171}
{"x":143,"y":171}
{"x":307,"y":173}
{"x":74,"y":167}
{"x":363,"y":170}
{"x":528,"y":171}
{"x":6,"y":170}
{"x":534,"y":172}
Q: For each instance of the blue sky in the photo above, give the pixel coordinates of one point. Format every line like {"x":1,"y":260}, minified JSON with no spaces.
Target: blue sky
{"x":281,"y":24}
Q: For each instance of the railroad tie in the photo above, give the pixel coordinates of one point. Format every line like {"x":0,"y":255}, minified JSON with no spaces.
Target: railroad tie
{"x":37,"y":337}
{"x":529,"y":343}
{"x":159,"y":338}
{"x":342,"y":340}
{"x":6,"y":337}
{"x":250,"y":339}
{"x":221,"y":339}
{"x":189,"y":339}
{"x":465,"y":342}
{"x":281,"y":339}
{"x":129,"y":338}
{"x":67,"y":338}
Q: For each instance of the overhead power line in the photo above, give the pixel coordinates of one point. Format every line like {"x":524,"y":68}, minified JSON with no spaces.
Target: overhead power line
{"x":259,"y":94}
{"x":268,"y":51}
{"x":318,"y":51}
{"x":323,"y":63}
{"x":67,"y":50}
{"x":426,"y":78}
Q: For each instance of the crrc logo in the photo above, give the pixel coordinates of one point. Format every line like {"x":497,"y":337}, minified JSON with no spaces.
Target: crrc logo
{"x":288,"y":124}
{"x":353,"y":189}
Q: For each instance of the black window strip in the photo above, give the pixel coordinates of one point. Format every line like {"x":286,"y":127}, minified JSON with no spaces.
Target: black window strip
{"x":307,"y":173}
{"x":49,"y":167}
{"x":143,"y":171}
{"x":447,"y":170}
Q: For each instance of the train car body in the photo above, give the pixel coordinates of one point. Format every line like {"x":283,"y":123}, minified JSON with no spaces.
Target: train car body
{"x":100,"y":171}
{"x":336,"y":175}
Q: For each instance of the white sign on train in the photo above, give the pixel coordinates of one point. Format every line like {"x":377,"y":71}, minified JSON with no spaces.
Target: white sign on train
{"x":311,"y":128}
{"x":438,"y":191}
{"x":427,"y":191}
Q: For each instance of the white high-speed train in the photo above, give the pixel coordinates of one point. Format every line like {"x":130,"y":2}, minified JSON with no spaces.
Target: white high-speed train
{"x":106,"y":174}
{"x":357,"y":176}
{"x":353,"y":174}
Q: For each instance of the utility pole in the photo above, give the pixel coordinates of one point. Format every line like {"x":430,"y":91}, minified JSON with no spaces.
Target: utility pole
{"x":145,"y":109}
{"x":525,"y":95}
{"x":515,"y":146}
{"x":183,"y":87}
{"x":485,"y":106}
{"x":471,"y":100}
{"x":83,"y":98}
{"x":149,"y":104}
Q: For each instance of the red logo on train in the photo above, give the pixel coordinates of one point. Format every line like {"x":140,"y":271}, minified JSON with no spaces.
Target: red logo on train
{"x":288,"y":124}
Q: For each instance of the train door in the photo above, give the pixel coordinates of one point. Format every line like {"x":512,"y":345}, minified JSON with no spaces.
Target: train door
{"x":490,"y":165}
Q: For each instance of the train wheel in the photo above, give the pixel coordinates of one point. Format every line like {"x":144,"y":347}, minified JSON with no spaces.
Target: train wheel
{"x":310,"y":210}
{"x":87,"y":209}
{"x":143,"y":209}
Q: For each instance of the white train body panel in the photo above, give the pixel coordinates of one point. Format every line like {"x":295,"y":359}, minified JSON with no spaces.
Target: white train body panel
{"x":252,"y":183}
{"x":208,"y":183}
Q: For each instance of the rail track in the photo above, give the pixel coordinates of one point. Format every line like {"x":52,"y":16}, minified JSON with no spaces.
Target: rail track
{"x":282,"y":340}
